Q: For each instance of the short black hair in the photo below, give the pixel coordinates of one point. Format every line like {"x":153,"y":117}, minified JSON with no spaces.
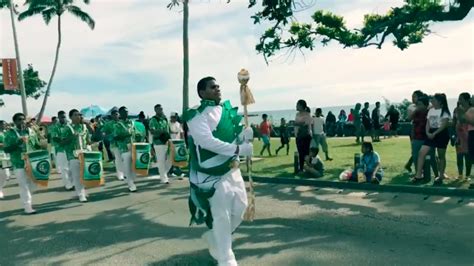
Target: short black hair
{"x":72,"y":112}
{"x":16,"y":116}
{"x":122,"y":108}
{"x":114,"y":111}
{"x":319,"y":110}
{"x":264,"y":116}
{"x":61,"y":113}
{"x":368,"y":145}
{"x":157,"y":105}
{"x":54,"y":118}
{"x":314,"y":150}
{"x":202,"y":84}
{"x":424,"y":99}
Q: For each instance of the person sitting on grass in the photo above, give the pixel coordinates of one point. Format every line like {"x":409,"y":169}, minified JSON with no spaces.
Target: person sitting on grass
{"x":313,"y":166}
{"x":369,"y":165}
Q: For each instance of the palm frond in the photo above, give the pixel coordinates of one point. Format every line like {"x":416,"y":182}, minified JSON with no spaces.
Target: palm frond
{"x":86,"y":2}
{"x":76,"y":11}
{"x":4,"y":3}
{"x":48,"y":14}
{"x":31,"y":12}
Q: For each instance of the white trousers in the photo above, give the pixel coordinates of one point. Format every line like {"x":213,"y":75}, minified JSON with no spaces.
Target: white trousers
{"x":118,"y":162}
{"x":62,"y":165}
{"x":55,"y":159}
{"x":228,"y":205}
{"x":164,"y":161}
{"x":127,"y":168}
{"x":26,"y":187}
{"x":74,"y":172}
{"x":4,"y":174}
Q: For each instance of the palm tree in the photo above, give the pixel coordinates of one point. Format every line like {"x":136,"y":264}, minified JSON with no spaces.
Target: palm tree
{"x":9,"y":4}
{"x":185,"y":50}
{"x":48,"y":9}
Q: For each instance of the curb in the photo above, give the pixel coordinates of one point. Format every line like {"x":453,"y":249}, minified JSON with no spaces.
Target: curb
{"x":437,"y":191}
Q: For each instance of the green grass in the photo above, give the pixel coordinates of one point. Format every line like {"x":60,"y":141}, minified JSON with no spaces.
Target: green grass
{"x":394,"y":153}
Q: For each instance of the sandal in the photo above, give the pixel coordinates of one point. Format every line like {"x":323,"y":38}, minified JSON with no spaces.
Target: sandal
{"x":415,"y":180}
{"x":438,"y":181}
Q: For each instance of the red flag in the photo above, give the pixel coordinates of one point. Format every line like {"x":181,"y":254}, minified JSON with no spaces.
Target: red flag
{"x":10,"y":81}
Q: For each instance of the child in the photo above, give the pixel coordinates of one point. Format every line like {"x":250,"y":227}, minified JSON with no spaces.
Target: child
{"x":314,"y":166}
{"x":265,"y":129}
{"x":284,"y":137}
{"x":369,"y":165}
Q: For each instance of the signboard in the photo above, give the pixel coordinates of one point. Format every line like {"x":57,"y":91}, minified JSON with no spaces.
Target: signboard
{"x":10,"y":81}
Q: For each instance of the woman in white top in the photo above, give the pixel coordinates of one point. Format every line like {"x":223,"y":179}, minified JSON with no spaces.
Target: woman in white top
{"x":438,"y":136}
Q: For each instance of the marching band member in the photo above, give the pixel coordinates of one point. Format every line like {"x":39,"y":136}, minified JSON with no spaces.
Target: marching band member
{"x":60,"y":131}
{"x":159,"y":128}
{"x":4,"y":171}
{"x":18,"y":141}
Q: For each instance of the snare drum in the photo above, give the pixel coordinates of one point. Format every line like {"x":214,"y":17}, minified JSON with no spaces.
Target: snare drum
{"x":179,"y":153}
{"x":91,"y":170}
{"x":38,"y":166}
{"x":141,"y":154}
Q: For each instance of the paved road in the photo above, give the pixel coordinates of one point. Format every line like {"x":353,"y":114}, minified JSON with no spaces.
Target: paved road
{"x":296,"y":225}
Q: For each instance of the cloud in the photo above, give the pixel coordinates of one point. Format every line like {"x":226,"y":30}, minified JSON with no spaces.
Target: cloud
{"x":134,"y":58}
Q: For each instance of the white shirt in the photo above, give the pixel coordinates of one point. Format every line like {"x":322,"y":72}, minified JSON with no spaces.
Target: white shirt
{"x":318,"y":125}
{"x":434,"y":117}
{"x":176,"y":130}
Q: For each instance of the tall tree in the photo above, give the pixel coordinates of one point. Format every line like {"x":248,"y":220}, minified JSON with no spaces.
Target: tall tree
{"x":404,"y":25}
{"x":34,"y":85}
{"x":12,"y":8}
{"x":48,"y":9}
{"x":185,"y":50}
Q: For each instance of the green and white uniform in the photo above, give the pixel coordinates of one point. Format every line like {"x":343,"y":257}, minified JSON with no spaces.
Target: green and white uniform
{"x":124,"y":134}
{"x":60,"y":131}
{"x":16,"y":147}
{"x":160,"y":128}
{"x":108,"y":130}
{"x":4,"y":163}
{"x":218,"y":195}
{"x":79,"y":137}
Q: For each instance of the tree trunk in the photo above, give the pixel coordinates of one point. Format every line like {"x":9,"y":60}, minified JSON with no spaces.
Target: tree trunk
{"x":19,"y":69}
{"x":185,"y":56}
{"x":48,"y":88}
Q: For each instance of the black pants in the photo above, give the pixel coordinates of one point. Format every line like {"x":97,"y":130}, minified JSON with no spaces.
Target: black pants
{"x":302,"y":144}
{"x":106,"y":143}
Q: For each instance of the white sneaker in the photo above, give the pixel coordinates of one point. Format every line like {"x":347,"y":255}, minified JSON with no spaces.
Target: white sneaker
{"x":173,"y":175}
{"x":83,"y":198}
{"x":165,"y":180}
{"x":29,"y":210}
{"x":207,"y":237}
{"x":132,"y":188}
{"x":1,"y":194}
{"x":153,"y":177}
{"x":120,"y":178}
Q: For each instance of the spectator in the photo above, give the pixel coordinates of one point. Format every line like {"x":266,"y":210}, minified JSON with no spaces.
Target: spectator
{"x":410,"y":112}
{"x":314,"y":166}
{"x":341,"y":123}
{"x":319,"y":136}
{"x":376,"y":123}
{"x":144,"y":121}
{"x":366,"y":121}
{"x":393,"y":116}
{"x":469,"y":115}
{"x":462,"y":128}
{"x":284,"y":137}
{"x":350,"y":118}
{"x":303,"y":122}
{"x":419,"y":132}
{"x":176,"y":132}
{"x":357,"y":122}
{"x":437,"y":136}
{"x":331,"y":124}
{"x":265,"y":130}
{"x":370,"y":165}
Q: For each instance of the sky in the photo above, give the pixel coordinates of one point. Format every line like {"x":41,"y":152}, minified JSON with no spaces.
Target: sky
{"x":134,"y":57}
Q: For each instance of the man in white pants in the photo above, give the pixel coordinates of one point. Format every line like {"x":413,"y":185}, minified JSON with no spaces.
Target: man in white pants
{"x":60,"y":131}
{"x":218,"y":195}
{"x":159,"y":129}
{"x":124,"y":135}
{"x":19,"y":140}
{"x":76,"y":139}
{"x":4,"y":159}
{"x":108,"y":130}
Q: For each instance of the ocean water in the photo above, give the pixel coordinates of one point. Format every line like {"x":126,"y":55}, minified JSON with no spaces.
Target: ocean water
{"x":289,"y":114}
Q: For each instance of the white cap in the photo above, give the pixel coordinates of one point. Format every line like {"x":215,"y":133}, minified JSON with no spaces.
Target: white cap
{"x":174,"y":114}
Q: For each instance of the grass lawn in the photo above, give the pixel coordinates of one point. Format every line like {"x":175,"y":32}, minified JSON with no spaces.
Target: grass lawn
{"x":394,"y":153}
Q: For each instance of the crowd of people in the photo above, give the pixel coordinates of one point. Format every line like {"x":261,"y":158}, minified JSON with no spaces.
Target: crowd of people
{"x":70,"y":132}
{"x":433,"y":128}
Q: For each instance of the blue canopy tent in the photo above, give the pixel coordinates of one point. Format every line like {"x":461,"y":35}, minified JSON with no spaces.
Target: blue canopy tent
{"x":92,"y":111}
